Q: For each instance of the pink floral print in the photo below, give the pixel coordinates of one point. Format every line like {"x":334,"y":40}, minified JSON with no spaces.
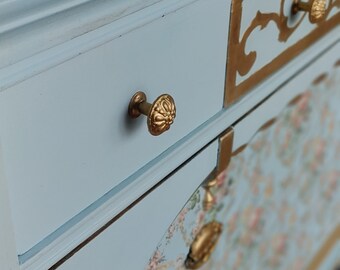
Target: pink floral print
{"x":278,"y":199}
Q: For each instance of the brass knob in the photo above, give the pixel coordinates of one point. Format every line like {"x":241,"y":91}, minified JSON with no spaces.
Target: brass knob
{"x":160,"y":114}
{"x":315,"y":8}
{"x":203,"y":245}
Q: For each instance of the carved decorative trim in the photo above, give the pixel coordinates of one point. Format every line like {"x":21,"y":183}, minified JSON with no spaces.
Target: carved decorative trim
{"x":240,"y":62}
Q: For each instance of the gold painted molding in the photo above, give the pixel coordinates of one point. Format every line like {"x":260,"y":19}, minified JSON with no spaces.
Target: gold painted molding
{"x":223,"y":159}
{"x":324,"y":251}
{"x":239,"y":62}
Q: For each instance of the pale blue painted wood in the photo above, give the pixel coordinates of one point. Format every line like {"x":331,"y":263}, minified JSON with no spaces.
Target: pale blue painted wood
{"x":67,"y":129}
{"x":44,"y":116}
{"x":128,"y":243}
{"x":28,"y":27}
{"x":244,"y":131}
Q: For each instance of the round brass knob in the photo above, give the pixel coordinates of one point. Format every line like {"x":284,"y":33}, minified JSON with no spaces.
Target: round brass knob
{"x":160,"y":114}
{"x":203,"y":245}
{"x":315,"y":8}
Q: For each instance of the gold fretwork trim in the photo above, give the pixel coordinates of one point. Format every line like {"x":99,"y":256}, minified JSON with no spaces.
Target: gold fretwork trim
{"x":240,"y":62}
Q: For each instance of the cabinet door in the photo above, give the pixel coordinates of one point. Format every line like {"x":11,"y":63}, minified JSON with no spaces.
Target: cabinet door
{"x":278,"y":201}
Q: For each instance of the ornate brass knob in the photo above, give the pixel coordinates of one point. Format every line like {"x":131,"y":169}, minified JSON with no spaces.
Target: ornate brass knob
{"x":203,"y":245}
{"x":160,"y":114}
{"x":315,"y":8}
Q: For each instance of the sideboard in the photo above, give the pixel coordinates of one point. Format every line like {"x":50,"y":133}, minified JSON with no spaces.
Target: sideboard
{"x":167,"y":134}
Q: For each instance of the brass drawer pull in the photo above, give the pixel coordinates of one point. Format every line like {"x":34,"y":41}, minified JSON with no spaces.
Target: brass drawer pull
{"x":315,"y":8}
{"x":160,"y":114}
{"x":203,"y":245}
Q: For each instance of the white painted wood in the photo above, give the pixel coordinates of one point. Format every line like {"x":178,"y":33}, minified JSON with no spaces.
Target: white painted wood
{"x":8,"y":254}
{"x":129,"y":243}
{"x":66,"y":137}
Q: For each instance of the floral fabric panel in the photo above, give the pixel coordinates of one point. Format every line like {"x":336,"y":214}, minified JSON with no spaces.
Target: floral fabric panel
{"x":278,"y":200}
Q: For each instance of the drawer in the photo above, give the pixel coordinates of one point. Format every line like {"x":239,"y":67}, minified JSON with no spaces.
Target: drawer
{"x":277,"y":203}
{"x":129,"y":241}
{"x":137,"y":231}
{"x":65,"y":134}
{"x":261,"y":202}
{"x":266,"y":35}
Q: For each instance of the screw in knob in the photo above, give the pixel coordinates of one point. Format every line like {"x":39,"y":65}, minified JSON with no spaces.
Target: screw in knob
{"x":315,"y":8}
{"x":160,"y":114}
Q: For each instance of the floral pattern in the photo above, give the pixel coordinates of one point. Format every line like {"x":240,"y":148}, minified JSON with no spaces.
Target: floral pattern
{"x":279,"y":198}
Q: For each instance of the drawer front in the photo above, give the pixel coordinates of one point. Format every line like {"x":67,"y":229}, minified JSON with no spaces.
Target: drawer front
{"x":278,"y":199}
{"x":129,"y":241}
{"x":266,"y":35}
{"x":66,"y":137}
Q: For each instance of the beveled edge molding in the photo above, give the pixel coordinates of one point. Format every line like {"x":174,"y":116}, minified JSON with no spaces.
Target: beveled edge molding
{"x":17,"y":13}
{"x":238,"y":61}
{"x":49,"y":41}
{"x":43,"y":24}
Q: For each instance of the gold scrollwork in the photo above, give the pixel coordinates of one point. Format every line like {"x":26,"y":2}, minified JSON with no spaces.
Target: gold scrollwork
{"x":240,"y":62}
